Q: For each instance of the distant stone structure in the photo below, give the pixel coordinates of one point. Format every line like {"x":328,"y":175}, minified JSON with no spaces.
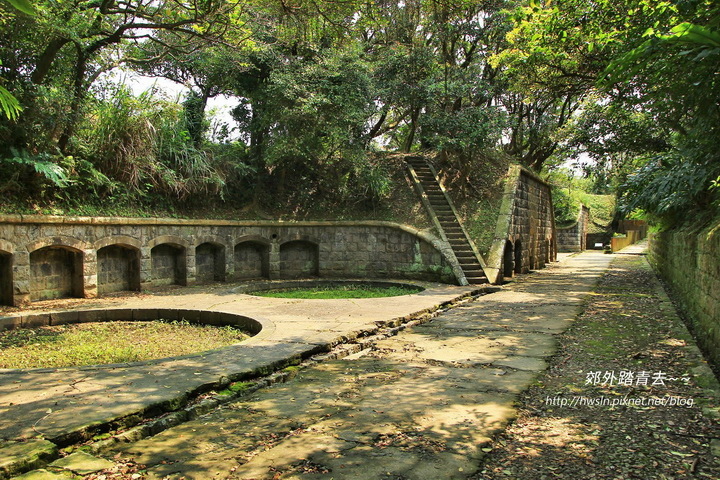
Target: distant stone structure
{"x":574,"y":237}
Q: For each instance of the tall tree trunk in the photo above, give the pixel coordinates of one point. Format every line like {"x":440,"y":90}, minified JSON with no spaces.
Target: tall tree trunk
{"x":77,"y":101}
{"x":413,"y":128}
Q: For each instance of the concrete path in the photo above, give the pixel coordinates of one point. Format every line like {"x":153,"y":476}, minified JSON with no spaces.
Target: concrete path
{"x":418,"y":405}
{"x":62,"y":405}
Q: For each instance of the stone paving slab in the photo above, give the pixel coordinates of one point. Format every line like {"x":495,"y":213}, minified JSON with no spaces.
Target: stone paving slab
{"x":418,"y":405}
{"x":61,"y":404}
{"x":422,"y":404}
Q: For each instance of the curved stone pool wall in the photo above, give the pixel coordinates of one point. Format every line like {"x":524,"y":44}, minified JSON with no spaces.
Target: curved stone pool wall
{"x":46,"y":257}
{"x":63,"y":317}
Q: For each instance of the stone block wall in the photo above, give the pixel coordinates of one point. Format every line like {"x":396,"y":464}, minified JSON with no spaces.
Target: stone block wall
{"x":49,"y":257}
{"x":118,"y":269}
{"x":301,"y":259}
{"x":167,"y":265}
{"x":251,"y":260}
{"x":574,"y":238}
{"x":689,"y":260}
{"x":209,"y":263}
{"x":525,"y":233}
{"x":54,"y":273}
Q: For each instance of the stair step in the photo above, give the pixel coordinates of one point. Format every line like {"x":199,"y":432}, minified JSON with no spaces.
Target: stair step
{"x":473,"y":273}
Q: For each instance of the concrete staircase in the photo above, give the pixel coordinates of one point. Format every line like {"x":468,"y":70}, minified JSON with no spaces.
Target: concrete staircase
{"x":445,"y":218}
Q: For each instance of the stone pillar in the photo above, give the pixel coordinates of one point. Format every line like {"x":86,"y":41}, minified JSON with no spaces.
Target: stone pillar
{"x":274,"y":271}
{"x":229,"y":260}
{"x":190,"y":267}
{"x":21,"y":278}
{"x":89,"y":274}
{"x":145,"y":268}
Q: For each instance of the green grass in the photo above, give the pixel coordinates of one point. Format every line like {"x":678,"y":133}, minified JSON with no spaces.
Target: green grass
{"x":337,"y":291}
{"x":109,"y":342}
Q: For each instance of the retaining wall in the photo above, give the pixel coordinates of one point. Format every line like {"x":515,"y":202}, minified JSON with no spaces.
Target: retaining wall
{"x":45,"y":257}
{"x":689,"y":260}
{"x":525,"y":233}
{"x":574,"y":238}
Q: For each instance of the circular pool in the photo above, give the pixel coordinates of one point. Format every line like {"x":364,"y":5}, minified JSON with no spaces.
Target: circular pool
{"x":330,"y":289}
{"x":112,"y":336}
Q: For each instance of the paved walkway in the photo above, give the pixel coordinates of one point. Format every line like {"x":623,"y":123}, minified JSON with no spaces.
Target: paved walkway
{"x":419,"y":404}
{"x":59,"y":404}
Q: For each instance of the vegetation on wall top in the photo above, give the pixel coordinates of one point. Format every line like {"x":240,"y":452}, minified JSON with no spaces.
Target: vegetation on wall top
{"x":317,"y":89}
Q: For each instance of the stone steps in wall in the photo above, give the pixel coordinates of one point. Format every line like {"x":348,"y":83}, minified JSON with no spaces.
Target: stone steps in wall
{"x":451,"y":226}
{"x":472,"y":271}
{"x":448,"y":222}
{"x":476,"y":280}
{"x":439,"y":197}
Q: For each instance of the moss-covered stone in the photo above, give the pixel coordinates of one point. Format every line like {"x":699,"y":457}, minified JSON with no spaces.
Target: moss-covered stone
{"x":689,"y":260}
{"x":18,"y":457}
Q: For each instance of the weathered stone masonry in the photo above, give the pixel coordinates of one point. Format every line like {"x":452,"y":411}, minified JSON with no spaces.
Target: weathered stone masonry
{"x":51,"y":257}
{"x":573,"y":238}
{"x":690,"y":262}
{"x":525,"y":233}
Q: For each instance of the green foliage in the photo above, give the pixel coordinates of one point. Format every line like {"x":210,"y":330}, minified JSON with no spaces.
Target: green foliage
{"x":668,"y":187}
{"x":42,"y":164}
{"x":144,"y":142}
{"x":23,"y":6}
{"x":570,"y":192}
{"x":316,"y":110}
{"x":9,"y":104}
{"x":340,"y":291}
{"x":646,"y":73}
{"x":629,"y":84}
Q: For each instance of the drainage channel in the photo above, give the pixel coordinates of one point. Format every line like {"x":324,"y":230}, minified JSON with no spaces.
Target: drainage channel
{"x":202,"y":401}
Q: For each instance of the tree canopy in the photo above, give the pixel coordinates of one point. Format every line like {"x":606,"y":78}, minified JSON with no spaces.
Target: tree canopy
{"x":319,"y":87}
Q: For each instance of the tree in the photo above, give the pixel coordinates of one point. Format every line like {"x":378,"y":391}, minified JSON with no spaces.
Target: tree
{"x":646,"y":73}
{"x":70,"y":44}
{"x":434,"y":82}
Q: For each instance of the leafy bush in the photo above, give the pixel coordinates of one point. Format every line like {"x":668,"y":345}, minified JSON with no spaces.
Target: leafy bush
{"x":144,"y":142}
{"x":669,"y":187}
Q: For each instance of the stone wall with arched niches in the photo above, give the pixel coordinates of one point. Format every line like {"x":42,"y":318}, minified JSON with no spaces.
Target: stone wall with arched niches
{"x":46,"y":257}
{"x":525,"y":236}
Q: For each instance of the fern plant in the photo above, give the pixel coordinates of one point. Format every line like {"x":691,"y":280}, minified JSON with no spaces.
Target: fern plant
{"x":42,"y":164}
